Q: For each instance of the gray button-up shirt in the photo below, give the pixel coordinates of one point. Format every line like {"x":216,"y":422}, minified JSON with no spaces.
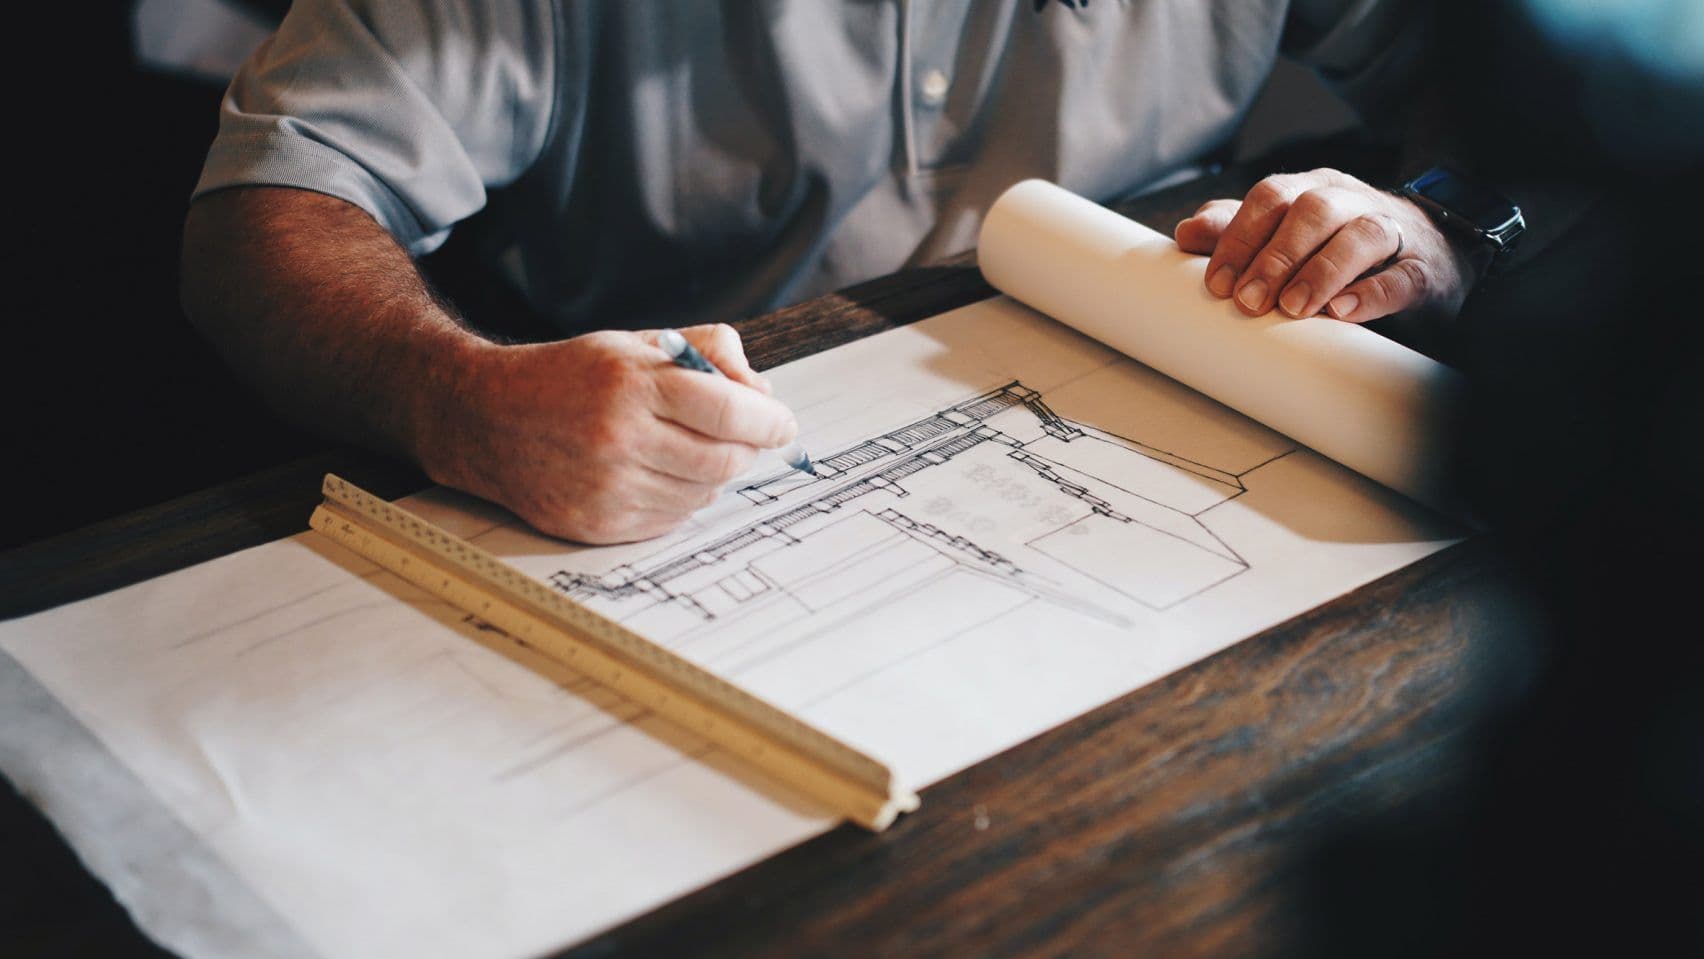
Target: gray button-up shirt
{"x":653,"y":162}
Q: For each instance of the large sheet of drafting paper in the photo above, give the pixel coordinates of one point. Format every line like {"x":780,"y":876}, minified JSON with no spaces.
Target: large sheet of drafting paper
{"x":1015,"y":525}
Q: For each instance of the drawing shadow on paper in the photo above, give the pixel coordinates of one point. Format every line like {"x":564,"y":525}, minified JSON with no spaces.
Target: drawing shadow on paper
{"x":540,"y":732}
{"x":1279,"y":487}
{"x":986,"y":505}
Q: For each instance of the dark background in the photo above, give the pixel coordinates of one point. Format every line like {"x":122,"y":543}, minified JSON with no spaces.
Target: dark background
{"x":112,"y":401}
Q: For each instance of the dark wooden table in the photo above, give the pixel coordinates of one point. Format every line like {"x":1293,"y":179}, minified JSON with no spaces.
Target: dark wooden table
{"x":1177,"y":820}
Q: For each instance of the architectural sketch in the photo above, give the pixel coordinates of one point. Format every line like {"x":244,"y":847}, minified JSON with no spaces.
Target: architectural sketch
{"x":978,"y":562}
{"x":998,"y":488}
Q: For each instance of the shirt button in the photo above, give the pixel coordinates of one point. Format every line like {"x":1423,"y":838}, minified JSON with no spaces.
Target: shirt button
{"x":932,"y":90}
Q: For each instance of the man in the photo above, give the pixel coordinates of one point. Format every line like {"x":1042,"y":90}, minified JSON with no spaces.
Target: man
{"x":648,"y":164}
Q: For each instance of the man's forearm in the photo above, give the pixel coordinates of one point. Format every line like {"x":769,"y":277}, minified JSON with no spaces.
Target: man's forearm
{"x":316,"y":305}
{"x":598,"y":438}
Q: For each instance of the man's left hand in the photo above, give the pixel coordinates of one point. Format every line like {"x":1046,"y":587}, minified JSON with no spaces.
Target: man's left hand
{"x":1323,"y":241}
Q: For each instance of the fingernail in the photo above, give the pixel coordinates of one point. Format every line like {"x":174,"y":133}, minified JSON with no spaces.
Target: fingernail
{"x":1221,"y":281}
{"x":1253,"y":294}
{"x":1344,"y":305}
{"x":1294,"y":298}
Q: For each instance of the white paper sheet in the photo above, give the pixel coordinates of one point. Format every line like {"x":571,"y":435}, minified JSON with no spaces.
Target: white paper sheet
{"x":1016,"y":525}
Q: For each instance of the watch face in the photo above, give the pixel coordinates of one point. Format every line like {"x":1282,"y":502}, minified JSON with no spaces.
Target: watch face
{"x":1482,"y":208}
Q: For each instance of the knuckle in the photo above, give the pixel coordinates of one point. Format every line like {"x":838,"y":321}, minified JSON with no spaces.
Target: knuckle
{"x":721,"y":342}
{"x":1315,"y":204}
{"x":1268,"y":193}
{"x":606,"y":432}
{"x":673,"y":389}
{"x":1235,"y":248}
{"x":612,"y":376}
{"x":1374,"y":229}
{"x":1415,"y":277}
{"x":1323,"y":267}
{"x":1386,"y":291}
{"x":1276,"y":261}
{"x":1380,"y":288}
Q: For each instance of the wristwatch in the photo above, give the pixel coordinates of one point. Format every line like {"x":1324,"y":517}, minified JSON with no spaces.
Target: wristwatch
{"x":1466,"y":207}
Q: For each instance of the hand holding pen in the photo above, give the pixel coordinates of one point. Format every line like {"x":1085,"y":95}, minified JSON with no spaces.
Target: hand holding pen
{"x":602,"y":438}
{"x":685,"y":355}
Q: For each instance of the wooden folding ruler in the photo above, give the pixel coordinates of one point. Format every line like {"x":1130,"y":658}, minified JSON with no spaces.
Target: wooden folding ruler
{"x":792,"y":751}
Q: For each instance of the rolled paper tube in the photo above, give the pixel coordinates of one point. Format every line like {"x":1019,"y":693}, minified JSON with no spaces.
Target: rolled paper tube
{"x":1355,"y":396}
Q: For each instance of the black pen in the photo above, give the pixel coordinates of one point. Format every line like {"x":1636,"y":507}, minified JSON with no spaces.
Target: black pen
{"x":685,"y":355}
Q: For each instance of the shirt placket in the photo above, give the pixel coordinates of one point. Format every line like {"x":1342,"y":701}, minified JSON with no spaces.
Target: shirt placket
{"x":929,"y":36}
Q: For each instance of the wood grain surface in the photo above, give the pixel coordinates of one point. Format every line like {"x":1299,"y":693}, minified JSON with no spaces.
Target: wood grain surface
{"x":1172,"y":821}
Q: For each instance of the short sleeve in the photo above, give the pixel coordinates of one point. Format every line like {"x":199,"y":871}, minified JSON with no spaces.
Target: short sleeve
{"x":409,"y":109}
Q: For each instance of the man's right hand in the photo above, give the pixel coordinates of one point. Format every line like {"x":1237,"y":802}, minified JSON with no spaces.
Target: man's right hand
{"x":601,"y":438}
